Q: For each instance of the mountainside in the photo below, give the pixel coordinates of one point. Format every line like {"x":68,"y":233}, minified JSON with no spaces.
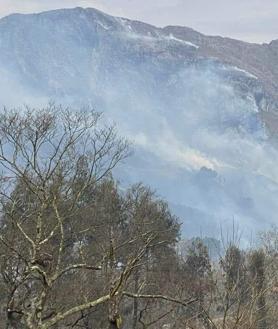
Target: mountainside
{"x":201,"y":110}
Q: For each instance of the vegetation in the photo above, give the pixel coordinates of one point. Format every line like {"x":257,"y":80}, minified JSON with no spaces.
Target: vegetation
{"x":77,"y":251}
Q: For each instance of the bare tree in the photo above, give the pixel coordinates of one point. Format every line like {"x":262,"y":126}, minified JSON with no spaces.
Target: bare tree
{"x":71,"y":243}
{"x":42,"y":154}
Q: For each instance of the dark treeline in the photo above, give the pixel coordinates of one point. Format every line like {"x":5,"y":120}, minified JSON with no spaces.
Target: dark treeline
{"x":77,"y":251}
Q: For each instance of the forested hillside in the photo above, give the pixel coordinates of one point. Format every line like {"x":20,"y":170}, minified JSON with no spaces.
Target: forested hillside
{"x":79,"y":251}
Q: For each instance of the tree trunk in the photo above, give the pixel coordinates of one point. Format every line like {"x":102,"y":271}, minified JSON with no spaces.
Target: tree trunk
{"x":135,"y":300}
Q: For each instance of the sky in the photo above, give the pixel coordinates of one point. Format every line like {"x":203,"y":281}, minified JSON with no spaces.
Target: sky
{"x":249,"y":20}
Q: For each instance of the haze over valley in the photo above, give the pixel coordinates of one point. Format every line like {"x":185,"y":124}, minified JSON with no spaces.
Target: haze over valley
{"x":201,"y":111}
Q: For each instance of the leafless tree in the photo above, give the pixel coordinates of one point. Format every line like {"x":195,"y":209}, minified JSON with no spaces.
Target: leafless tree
{"x":42,"y":154}
{"x":70,"y":243}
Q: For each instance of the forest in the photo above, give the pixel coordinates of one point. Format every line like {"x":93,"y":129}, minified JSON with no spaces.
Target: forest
{"x":78,"y":250}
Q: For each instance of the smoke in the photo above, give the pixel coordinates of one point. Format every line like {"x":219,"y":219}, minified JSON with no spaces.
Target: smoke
{"x":198,"y":136}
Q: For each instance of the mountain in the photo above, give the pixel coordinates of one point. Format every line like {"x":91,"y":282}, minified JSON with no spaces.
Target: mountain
{"x":201,"y":110}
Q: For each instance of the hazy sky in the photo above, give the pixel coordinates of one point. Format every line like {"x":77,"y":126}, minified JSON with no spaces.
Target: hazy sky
{"x":250,"y":20}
